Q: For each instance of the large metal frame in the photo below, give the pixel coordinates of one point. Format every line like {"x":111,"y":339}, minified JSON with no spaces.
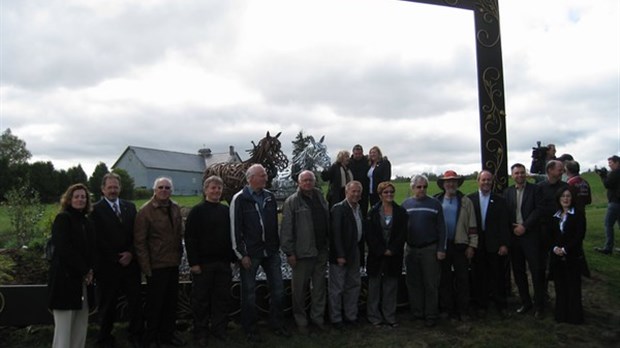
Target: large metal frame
{"x":490,"y":84}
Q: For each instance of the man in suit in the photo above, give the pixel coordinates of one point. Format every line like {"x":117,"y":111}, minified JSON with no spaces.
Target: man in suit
{"x":523,"y":201}
{"x":344,"y":256}
{"x":491,"y":261}
{"x":116,"y":271}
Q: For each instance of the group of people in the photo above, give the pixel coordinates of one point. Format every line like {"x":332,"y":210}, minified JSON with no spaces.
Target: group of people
{"x":444,"y":242}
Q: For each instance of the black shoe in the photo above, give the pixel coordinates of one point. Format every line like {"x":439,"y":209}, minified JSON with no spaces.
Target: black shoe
{"x":134,"y":341}
{"x":282,"y":331}
{"x":175,"y":340}
{"x":201,"y":342}
{"x":503,"y":314}
{"x":430,"y":322}
{"x":338,"y":325}
{"x":603,"y":251}
{"x":254,"y":337}
{"x":539,"y":314}
{"x":524,"y":309}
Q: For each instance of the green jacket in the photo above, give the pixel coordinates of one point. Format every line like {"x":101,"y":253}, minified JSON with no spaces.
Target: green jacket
{"x":297,"y":229}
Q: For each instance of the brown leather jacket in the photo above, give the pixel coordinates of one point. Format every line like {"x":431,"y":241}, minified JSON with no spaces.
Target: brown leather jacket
{"x":157,"y":235}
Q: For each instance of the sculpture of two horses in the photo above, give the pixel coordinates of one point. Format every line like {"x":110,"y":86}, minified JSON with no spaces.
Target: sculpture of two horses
{"x":269,"y":153}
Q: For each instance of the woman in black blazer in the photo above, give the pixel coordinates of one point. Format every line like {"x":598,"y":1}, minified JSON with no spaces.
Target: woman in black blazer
{"x":567,"y":258}
{"x":380,"y":171}
{"x":71,"y":269}
{"x":386,"y":242}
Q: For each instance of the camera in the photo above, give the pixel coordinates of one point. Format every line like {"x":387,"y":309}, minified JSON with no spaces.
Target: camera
{"x":539,"y":155}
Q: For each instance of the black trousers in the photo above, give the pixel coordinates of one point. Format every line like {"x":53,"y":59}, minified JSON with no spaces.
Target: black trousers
{"x":489,"y":279}
{"x":454,"y":284}
{"x":210,"y":298}
{"x":161,"y":303}
{"x":566,"y":275}
{"x":111,"y":284}
{"x":523,"y":255}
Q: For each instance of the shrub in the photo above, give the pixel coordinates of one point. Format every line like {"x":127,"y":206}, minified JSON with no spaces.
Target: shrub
{"x":25,"y":211}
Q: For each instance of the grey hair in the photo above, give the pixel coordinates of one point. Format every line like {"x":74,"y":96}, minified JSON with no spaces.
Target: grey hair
{"x":306,"y":172}
{"x":252,"y":170}
{"x":417,"y":178}
{"x":162,"y":178}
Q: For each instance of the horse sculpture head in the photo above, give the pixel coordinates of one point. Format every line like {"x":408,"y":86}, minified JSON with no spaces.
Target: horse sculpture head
{"x":314,"y":157}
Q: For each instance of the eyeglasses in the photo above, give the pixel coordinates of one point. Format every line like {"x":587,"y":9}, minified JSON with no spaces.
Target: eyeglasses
{"x":163,"y":187}
{"x":421,"y":186}
{"x":388,"y":192}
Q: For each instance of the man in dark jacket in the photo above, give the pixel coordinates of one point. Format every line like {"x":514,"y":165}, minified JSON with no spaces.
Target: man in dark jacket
{"x":344,"y":256}
{"x":490,"y":263}
{"x":209,"y":254}
{"x":254,"y":231}
{"x":359,"y":167}
{"x":523,"y":201}
{"x":117,"y":271}
{"x":611,"y":181}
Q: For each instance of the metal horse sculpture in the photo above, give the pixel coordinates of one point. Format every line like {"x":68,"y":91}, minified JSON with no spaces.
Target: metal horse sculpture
{"x":268,"y":152}
{"x":313,"y":157}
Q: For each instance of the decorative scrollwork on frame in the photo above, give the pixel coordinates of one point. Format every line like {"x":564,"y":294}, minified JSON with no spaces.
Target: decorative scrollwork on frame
{"x":493,"y":116}
{"x":490,"y":15}
{"x":495,"y":162}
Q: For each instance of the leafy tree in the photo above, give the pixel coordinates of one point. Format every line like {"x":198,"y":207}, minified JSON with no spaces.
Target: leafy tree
{"x":94,"y":182}
{"x":13,"y":161}
{"x":13,"y":149}
{"x":300,"y":143}
{"x":25,"y":211}
{"x":62,"y":181}
{"x":43,"y":178}
{"x":77,"y":175}
{"x":127,"y":183}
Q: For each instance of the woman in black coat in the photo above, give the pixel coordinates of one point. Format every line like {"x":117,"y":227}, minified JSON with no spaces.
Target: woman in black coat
{"x":338,"y":175}
{"x":384,"y":265}
{"x":567,"y":258}
{"x":380,"y":171}
{"x":71,"y":269}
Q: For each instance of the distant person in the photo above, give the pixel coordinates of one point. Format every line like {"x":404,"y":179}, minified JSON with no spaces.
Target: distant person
{"x":523,"y":199}
{"x":611,"y":181}
{"x":567,"y":258}
{"x":490,"y":263}
{"x":462,"y":242}
{"x":209,"y":255}
{"x":157,"y":237}
{"x":304,"y":240}
{"x":71,"y":268}
{"x":256,"y":242}
{"x":338,"y":175}
{"x":548,"y":188}
{"x":579,"y":185}
{"x":358,"y":163}
{"x":426,"y":247}
{"x":380,"y":170}
{"x":117,"y":270}
{"x":346,"y":232}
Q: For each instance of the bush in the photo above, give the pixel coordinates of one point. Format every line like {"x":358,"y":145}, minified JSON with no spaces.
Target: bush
{"x":25,"y":211}
{"x":142,"y":193}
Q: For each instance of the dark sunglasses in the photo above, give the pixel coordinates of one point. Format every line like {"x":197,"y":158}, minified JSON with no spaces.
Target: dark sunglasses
{"x":163,"y":187}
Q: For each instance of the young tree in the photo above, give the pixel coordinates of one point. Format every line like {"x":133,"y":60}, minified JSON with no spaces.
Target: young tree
{"x":24,"y":210}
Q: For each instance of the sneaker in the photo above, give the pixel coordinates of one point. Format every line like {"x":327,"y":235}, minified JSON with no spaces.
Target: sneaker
{"x":603,"y":251}
{"x":282,"y":331}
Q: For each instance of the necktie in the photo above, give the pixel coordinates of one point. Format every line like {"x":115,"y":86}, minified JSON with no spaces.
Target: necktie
{"x":117,"y":211}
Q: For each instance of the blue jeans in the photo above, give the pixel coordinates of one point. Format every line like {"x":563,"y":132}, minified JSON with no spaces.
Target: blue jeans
{"x":612,"y":217}
{"x":271,"y":265}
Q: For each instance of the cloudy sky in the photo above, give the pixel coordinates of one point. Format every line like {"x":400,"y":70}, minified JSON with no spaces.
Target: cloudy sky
{"x":80,"y":80}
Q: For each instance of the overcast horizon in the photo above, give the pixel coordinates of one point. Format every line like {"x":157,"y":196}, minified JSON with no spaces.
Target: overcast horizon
{"x":82,"y":80}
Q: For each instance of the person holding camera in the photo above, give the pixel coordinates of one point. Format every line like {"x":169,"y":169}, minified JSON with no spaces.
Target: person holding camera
{"x":611,"y":181}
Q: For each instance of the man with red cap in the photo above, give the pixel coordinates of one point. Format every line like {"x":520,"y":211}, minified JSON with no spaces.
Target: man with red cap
{"x":462,"y":240}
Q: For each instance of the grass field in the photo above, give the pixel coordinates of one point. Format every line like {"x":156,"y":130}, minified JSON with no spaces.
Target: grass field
{"x":601,"y":299}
